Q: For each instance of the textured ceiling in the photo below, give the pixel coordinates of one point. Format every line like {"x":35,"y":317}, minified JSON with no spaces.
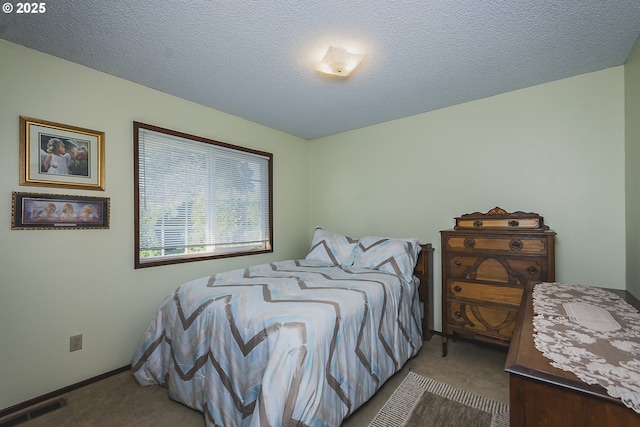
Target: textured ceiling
{"x":255,"y":59}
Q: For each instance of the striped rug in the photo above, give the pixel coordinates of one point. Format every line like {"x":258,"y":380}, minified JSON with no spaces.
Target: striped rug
{"x":421,"y":401}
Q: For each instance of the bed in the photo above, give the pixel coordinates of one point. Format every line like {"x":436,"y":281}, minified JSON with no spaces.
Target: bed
{"x":296,"y":342}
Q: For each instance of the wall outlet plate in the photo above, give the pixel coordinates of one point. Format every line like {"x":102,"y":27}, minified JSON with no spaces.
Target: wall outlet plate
{"x":75,"y":342}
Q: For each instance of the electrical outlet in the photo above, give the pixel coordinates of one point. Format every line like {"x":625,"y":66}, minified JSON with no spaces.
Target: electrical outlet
{"x":75,"y":342}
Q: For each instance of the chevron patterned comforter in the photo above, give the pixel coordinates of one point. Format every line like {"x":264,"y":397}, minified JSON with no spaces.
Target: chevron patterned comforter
{"x":295,"y":342}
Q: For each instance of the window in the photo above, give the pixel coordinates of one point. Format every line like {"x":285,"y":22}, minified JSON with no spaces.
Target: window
{"x":198,"y":199}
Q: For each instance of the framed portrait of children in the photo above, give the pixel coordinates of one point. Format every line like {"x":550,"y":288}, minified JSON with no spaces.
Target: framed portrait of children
{"x":57,"y":155}
{"x":35,"y":211}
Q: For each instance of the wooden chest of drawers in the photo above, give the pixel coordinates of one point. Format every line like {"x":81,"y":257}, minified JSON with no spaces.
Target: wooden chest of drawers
{"x":542,"y":395}
{"x":487,"y":259}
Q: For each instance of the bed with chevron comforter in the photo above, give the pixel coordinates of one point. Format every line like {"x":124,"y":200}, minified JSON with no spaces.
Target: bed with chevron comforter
{"x":298,"y":342}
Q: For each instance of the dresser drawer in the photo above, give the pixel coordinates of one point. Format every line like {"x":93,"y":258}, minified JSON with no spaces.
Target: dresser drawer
{"x":501,"y":223}
{"x":485,"y":293}
{"x":496,"y":268}
{"x":473,"y":318}
{"x":529,"y":245}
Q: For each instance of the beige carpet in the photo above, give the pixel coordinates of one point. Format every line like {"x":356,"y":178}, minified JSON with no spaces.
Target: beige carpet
{"x":419,"y":398}
{"x":120,"y":401}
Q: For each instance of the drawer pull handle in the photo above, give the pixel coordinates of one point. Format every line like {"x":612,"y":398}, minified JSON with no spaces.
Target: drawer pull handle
{"x":477,"y":223}
{"x":532,"y":270}
{"x":457,"y":263}
{"x":457,"y":288}
{"x":515,"y":245}
{"x":457,"y":314}
{"x":469,"y":243}
{"x":513,"y":223}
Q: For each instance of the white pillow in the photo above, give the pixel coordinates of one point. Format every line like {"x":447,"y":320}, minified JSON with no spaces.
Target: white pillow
{"x":395,"y":256}
{"x":331,"y":247}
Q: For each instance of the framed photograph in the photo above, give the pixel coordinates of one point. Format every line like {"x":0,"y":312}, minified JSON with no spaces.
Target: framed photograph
{"x":33,"y":211}
{"x":57,"y":155}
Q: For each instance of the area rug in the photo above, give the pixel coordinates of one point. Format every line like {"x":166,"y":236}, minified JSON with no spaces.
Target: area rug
{"x":422,"y":401}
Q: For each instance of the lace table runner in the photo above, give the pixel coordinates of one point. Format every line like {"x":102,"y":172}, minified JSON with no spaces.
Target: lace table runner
{"x":592,"y":333}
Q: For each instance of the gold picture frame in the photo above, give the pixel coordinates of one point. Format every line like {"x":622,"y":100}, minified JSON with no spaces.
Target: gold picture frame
{"x":58,"y":155}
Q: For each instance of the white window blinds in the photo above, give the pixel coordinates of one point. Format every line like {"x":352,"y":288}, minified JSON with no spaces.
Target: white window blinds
{"x":199,"y":198}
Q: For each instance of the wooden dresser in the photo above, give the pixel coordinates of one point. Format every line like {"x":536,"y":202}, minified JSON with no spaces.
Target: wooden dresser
{"x":487,"y":259}
{"x":543,"y":395}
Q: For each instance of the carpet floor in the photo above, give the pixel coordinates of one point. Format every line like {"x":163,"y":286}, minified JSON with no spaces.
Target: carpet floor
{"x":120,"y":401}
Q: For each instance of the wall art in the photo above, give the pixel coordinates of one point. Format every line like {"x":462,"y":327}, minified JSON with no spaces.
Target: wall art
{"x":34,"y":211}
{"x":57,"y":155}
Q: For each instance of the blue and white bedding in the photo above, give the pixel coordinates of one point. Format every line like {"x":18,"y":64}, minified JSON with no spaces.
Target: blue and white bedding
{"x":298,"y":342}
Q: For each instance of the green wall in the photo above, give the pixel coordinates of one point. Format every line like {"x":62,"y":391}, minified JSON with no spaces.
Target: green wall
{"x":556,"y":149}
{"x":55,"y":284}
{"x":632,"y":157}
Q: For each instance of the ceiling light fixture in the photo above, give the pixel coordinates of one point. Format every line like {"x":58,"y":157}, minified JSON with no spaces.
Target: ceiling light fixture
{"x":339,"y":62}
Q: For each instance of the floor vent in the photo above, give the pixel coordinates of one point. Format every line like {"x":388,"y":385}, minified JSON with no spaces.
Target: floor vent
{"x":34,"y":413}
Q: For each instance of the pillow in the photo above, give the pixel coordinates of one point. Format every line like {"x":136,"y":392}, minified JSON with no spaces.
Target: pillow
{"x":331,"y":247}
{"x":394,"y":256}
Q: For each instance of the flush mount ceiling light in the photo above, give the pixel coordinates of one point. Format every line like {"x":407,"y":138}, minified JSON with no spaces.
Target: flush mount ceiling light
{"x":339,"y":62}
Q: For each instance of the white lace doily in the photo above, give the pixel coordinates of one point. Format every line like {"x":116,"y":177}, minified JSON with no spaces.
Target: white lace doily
{"x":592,"y":333}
